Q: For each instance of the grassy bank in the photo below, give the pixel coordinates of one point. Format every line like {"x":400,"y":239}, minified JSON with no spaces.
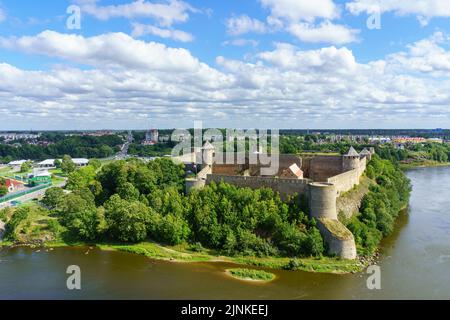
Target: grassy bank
{"x":422,"y":164}
{"x":251,"y":274}
{"x":184,"y":254}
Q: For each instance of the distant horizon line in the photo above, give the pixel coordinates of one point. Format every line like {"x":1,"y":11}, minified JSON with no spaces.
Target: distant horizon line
{"x":226,"y":128}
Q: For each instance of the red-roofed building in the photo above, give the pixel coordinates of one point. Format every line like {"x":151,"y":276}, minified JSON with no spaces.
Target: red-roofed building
{"x":14,"y":185}
{"x":293,"y":172}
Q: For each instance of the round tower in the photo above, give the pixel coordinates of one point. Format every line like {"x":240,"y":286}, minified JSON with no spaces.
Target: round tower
{"x":350,"y":161}
{"x":322,"y":200}
{"x":208,"y":154}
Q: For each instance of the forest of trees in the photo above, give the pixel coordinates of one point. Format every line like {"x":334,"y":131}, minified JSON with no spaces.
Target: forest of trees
{"x":75,"y":146}
{"x":131,"y":201}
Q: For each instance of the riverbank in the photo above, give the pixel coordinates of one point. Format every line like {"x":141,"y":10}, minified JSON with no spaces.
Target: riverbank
{"x":423,"y":164}
{"x":182,"y":254}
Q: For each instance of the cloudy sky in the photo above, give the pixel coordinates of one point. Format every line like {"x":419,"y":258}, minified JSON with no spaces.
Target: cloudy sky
{"x":232,"y":63}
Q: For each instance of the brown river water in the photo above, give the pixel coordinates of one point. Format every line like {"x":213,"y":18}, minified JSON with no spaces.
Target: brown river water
{"x":415,"y":264}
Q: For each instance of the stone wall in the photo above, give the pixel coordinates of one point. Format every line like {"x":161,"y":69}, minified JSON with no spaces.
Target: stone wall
{"x":222,"y":168}
{"x":339,"y":239}
{"x":320,"y":168}
{"x":347,"y":180}
{"x":228,"y":169}
{"x":285,"y":187}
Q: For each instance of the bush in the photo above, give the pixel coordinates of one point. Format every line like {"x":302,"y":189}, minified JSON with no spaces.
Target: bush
{"x":196,"y":247}
{"x":294,"y":264}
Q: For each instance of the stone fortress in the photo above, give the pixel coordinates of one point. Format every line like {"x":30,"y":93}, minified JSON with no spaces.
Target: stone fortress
{"x":321,"y":178}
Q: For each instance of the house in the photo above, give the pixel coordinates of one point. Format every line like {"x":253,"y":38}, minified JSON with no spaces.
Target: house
{"x":16,"y":163}
{"x":50,"y":163}
{"x":293,"y":172}
{"x":14,"y":185}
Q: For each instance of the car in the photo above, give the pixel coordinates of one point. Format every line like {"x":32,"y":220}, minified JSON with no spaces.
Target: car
{"x":16,"y":203}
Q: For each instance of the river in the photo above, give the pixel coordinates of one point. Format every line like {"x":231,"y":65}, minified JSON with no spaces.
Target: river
{"x":415,"y":264}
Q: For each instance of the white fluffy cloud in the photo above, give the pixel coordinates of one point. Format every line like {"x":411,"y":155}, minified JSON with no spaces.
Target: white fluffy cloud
{"x":178,"y":35}
{"x":309,"y":21}
{"x":286,"y":87}
{"x":328,"y":59}
{"x":165,"y":13}
{"x":424,"y":56}
{"x":423,"y":9}
{"x":326,"y":32}
{"x":106,"y":50}
{"x":301,"y":10}
{"x":242,"y":24}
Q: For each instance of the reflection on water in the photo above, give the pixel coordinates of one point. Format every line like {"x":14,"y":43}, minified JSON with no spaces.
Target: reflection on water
{"x":415,"y":263}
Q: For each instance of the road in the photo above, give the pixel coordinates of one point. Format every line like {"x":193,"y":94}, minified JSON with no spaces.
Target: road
{"x":34,"y":195}
{"x":124,"y":152}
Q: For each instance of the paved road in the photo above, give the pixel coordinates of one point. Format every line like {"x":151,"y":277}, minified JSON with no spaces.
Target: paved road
{"x":34,"y":195}
{"x":124,"y":152}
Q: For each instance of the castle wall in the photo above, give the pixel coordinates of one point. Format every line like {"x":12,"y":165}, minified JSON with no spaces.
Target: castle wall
{"x":200,"y":181}
{"x":228,"y":169}
{"x":347,"y":180}
{"x":320,"y":168}
{"x":222,"y":168}
{"x":285,"y":187}
{"x":192,"y":184}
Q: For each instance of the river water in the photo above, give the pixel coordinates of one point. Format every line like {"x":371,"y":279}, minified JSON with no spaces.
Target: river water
{"x":415,"y":264}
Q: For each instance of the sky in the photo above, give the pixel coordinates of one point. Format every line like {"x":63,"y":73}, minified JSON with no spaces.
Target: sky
{"x":125,"y":64}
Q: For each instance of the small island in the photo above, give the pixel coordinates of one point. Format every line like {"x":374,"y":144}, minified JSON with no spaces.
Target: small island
{"x":251,"y":274}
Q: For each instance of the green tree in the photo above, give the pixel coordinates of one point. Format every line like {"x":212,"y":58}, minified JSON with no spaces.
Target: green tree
{"x":95,"y":163}
{"x":3,"y":190}
{"x":127,"y":221}
{"x":81,"y":178}
{"x":81,"y":216}
{"x":25,"y":167}
{"x":57,"y":163}
{"x":173,"y":230}
{"x":314,"y":242}
{"x":67,"y":165}
{"x":54,"y":198}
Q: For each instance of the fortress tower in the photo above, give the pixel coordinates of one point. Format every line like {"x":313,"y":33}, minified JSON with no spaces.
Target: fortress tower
{"x":208,"y":154}
{"x":350,"y":161}
{"x":322,"y":200}
{"x":366,"y":153}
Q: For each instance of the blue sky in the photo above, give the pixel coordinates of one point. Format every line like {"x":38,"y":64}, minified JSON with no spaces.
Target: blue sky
{"x":253,"y":63}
